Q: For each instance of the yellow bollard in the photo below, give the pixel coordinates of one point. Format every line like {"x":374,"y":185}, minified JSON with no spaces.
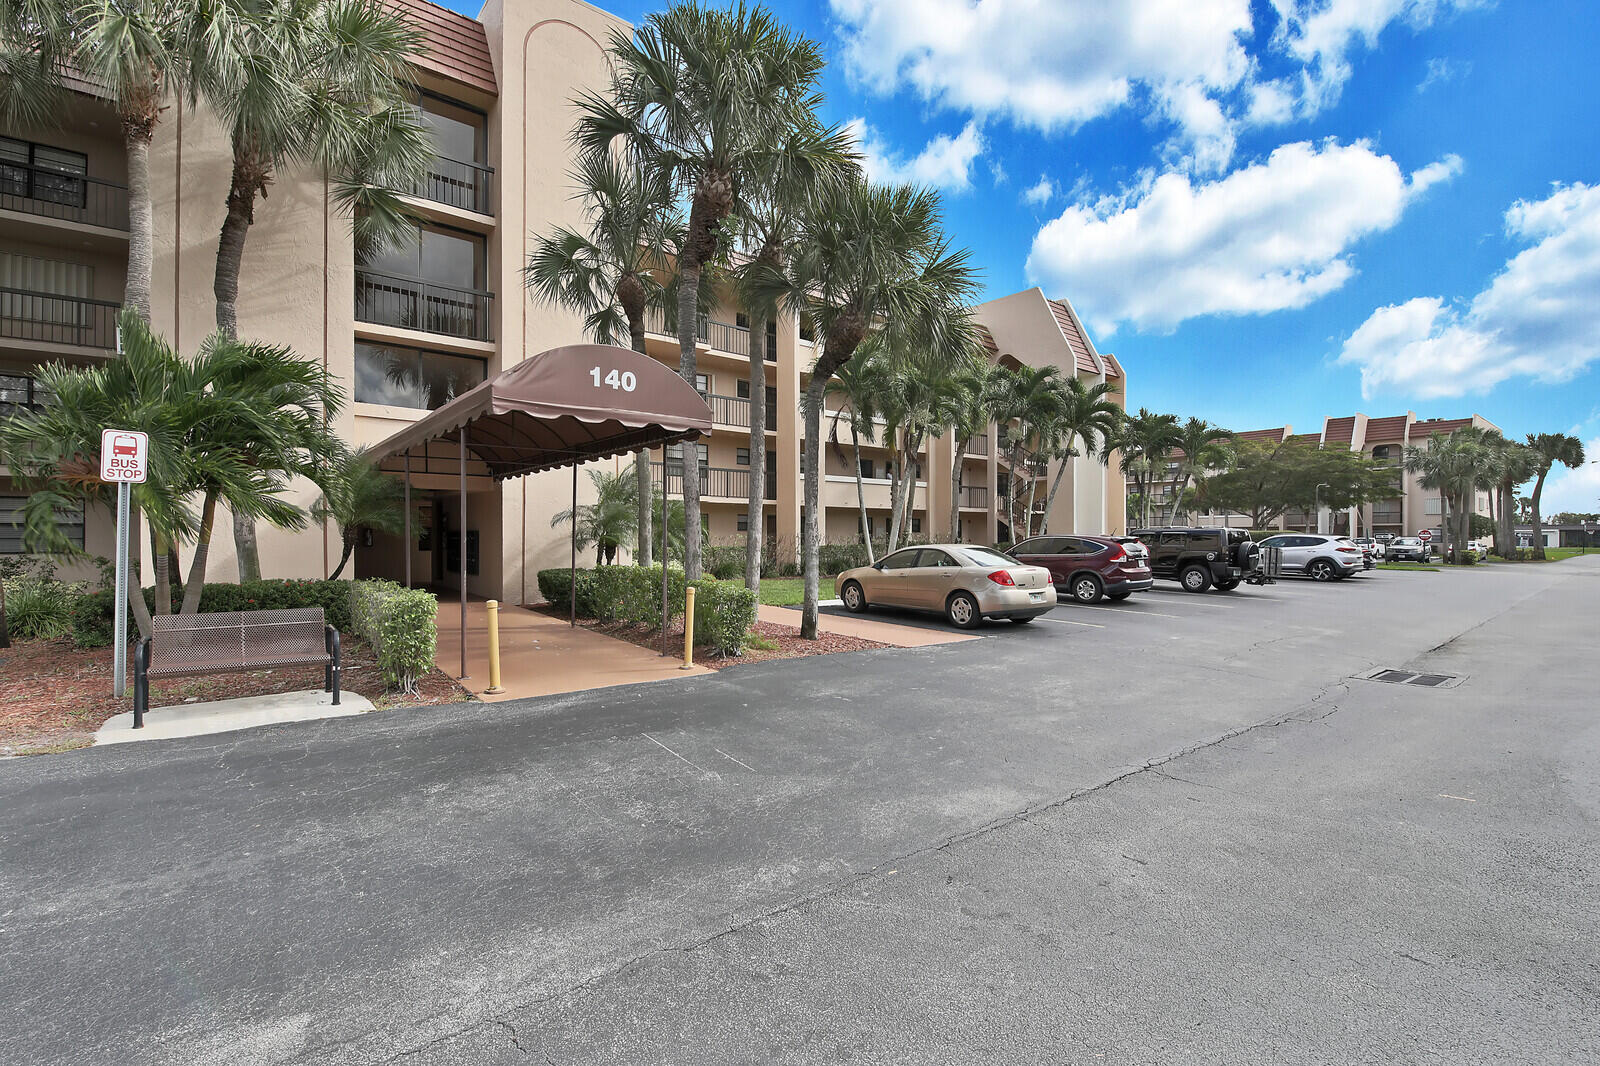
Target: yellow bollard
{"x":688,"y":631}
{"x":494,"y":648}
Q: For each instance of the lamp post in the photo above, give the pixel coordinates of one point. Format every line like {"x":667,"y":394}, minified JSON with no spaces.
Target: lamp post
{"x":1316,"y":507}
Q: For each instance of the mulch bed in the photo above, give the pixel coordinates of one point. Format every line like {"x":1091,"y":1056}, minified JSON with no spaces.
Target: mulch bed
{"x":790,"y":645}
{"x":53,"y":696}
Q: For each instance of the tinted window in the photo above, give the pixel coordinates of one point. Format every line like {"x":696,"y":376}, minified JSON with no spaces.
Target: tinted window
{"x":900,"y":560}
{"x":988,"y":557}
{"x":406,"y":377}
{"x":1174,"y":540}
{"x":1086,"y":547}
{"x":935,"y":557}
{"x":1040,"y":546}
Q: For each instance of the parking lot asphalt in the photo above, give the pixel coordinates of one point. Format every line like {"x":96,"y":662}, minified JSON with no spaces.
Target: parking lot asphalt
{"x":1171,"y":830}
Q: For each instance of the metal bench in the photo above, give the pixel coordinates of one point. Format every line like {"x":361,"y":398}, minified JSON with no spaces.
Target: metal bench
{"x":230,"y":643}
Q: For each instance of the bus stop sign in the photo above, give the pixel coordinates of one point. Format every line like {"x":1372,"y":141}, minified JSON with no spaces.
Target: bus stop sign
{"x":124,"y":456}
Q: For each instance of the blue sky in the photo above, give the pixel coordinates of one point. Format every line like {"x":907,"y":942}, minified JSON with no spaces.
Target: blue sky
{"x":1270,"y":210}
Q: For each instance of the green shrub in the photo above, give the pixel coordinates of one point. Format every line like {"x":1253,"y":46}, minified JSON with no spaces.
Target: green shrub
{"x":837,"y":558}
{"x":400,"y":625}
{"x":640,"y":604}
{"x":556,"y":587}
{"x":724,"y":561}
{"x":789,"y":568}
{"x":39,"y":609}
{"x":724,"y":611}
{"x":92,"y":620}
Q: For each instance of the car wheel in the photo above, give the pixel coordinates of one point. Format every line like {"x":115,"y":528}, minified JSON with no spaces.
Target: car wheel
{"x":1086,"y":588}
{"x":854,"y":599}
{"x":1118,"y":597}
{"x":1321,"y":570}
{"x":1227,"y":586}
{"x":962,"y":611}
{"x":1194,"y":579}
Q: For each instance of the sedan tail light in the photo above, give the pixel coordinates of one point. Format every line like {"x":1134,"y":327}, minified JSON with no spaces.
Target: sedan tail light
{"x":1002,"y":577}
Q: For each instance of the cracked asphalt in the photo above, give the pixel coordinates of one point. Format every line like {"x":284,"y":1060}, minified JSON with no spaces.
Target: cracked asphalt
{"x":1176,"y":830}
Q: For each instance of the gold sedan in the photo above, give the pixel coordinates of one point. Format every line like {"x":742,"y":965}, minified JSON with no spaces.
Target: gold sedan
{"x":965,"y":582}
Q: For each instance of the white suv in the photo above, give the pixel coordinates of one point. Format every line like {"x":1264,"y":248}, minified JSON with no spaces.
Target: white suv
{"x":1320,"y":557}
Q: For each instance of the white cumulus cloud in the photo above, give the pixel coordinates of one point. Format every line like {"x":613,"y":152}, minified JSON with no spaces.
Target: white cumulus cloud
{"x":944,"y":163}
{"x":1271,"y":236}
{"x":1056,"y":64}
{"x":1040,"y":192}
{"x":1574,"y":490}
{"x":1538,"y":318}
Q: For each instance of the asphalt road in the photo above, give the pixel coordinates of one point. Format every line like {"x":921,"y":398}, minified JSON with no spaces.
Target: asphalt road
{"x":1174,"y":830}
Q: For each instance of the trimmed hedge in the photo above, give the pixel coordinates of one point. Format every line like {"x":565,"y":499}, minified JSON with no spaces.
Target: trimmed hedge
{"x":92,"y":618}
{"x":400,"y":625}
{"x":723,"y":612}
{"x":724,"y":561}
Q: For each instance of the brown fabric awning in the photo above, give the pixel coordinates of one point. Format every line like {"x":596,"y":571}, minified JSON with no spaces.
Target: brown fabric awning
{"x":567,"y":405}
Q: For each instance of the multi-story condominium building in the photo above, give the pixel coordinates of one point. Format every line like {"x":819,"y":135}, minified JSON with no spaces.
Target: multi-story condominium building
{"x":1412,"y":509}
{"x":407,"y":330}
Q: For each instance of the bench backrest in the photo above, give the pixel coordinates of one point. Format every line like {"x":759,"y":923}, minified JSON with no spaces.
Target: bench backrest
{"x":238,"y":638}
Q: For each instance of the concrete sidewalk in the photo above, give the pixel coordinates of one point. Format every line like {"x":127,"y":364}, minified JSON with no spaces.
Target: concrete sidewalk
{"x":541,"y":655}
{"x":225,"y":716}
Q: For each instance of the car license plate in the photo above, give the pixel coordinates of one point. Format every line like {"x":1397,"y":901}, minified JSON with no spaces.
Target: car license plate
{"x":1036,"y":597}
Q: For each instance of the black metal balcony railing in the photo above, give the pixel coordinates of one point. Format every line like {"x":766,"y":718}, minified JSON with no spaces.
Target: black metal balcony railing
{"x":974,"y":495}
{"x":716,"y":482}
{"x":20,"y":394}
{"x":729,"y":410}
{"x":458,"y":183}
{"x":411,"y":303}
{"x":51,"y":193}
{"x":51,"y":319}
{"x":719,"y":336}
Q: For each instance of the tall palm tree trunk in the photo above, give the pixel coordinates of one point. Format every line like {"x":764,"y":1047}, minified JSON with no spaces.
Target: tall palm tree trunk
{"x":1538,"y":519}
{"x":1033,"y":492}
{"x":957,"y":473}
{"x":248,"y":176}
{"x":755,"y":520}
{"x":688,"y":330}
{"x":643,"y":553}
{"x":344,"y":557}
{"x":808,"y":523}
{"x":861,"y":496}
{"x":161,"y":561}
{"x":202,"y":548}
{"x":138,"y":131}
{"x":140,"y":609}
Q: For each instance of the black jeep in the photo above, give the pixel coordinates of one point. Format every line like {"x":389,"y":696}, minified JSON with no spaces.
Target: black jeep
{"x":1200,"y":558}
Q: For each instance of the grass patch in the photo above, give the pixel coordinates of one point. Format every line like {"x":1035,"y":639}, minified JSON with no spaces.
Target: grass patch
{"x":783,"y":591}
{"x":756,"y":642}
{"x":1408,"y":566}
{"x":1552,"y":555}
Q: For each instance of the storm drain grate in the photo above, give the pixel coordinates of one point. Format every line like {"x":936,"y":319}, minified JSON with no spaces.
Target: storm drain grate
{"x":1391,"y":676}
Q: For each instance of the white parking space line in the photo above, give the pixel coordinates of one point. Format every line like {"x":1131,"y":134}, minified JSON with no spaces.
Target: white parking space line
{"x":1070,"y":622}
{"x":1189,"y":598}
{"x":1123,"y":610}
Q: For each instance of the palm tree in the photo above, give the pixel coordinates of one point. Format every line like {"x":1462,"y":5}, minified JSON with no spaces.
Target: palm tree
{"x":1517,"y":467}
{"x":133,"y":52}
{"x":357,"y":496}
{"x":1083,"y":416}
{"x":964,"y":405}
{"x":1547,"y":450}
{"x":858,"y":384}
{"x":1453,"y":465}
{"x":1028,"y":400}
{"x":608,"y":523}
{"x":912,"y":401}
{"x":1200,"y":447}
{"x":703,"y":96}
{"x":611,"y":274}
{"x":322,"y":83}
{"x":1145,"y":441}
{"x":871,"y":257}
{"x":769,"y":222}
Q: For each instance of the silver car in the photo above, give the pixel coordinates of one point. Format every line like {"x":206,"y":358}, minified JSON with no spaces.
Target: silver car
{"x":965,"y":582}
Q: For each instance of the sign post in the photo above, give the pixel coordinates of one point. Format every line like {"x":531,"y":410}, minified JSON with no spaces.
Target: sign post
{"x":124,"y":462}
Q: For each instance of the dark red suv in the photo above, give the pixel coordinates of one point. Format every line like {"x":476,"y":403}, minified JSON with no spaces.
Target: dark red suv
{"x":1086,"y":568}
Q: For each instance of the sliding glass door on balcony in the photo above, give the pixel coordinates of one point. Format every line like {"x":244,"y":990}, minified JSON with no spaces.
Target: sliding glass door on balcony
{"x":459,"y":174}
{"x":51,"y":301}
{"x":432,"y":283}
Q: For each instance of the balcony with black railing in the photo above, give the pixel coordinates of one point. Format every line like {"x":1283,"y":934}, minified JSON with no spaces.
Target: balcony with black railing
{"x":975,"y":496}
{"x":976,"y":445}
{"x":56,"y":194}
{"x":458,"y":183}
{"x":49,"y":318}
{"x":716,"y":482}
{"x":718,"y":336}
{"x":412,"y":303}
{"x":20,"y":394}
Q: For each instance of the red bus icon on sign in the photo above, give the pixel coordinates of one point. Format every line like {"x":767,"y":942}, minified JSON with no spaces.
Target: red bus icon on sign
{"x":122,"y":444}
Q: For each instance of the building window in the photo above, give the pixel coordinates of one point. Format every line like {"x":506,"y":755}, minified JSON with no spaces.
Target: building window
{"x":916,"y":525}
{"x":868,"y":468}
{"x":743,"y":523}
{"x":69,"y":520}
{"x":808,"y":329}
{"x":702,"y":384}
{"x":431,"y":280}
{"x":409,"y":377}
{"x":40,"y":172}
{"x":458,"y":175}
{"x":1431,"y":505}
{"x":742,"y":456}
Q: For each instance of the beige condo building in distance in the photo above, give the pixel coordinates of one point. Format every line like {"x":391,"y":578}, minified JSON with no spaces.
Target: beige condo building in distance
{"x":410,"y":329}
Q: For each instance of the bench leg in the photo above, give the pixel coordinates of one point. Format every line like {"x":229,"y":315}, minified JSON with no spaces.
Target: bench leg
{"x":141,"y":682}
{"x":333,"y":664}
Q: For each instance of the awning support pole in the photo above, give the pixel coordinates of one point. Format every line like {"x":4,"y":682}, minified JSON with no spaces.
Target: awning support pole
{"x":408,"y":517}
{"x":665,"y":482}
{"x":572,"y":594}
{"x":461,"y":554}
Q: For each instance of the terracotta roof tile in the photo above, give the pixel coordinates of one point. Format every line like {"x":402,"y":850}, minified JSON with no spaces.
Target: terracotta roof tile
{"x":1388,"y":428}
{"x":1340,"y":430}
{"x":1082,"y":351}
{"x":1277,"y":434}
{"x":1113,"y":367}
{"x":986,"y":339}
{"x":1421,"y":431}
{"x":456,"y":46}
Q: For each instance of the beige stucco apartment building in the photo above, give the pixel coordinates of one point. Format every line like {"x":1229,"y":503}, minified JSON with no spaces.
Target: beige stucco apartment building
{"x":414,"y":327}
{"x":1413,"y":509}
